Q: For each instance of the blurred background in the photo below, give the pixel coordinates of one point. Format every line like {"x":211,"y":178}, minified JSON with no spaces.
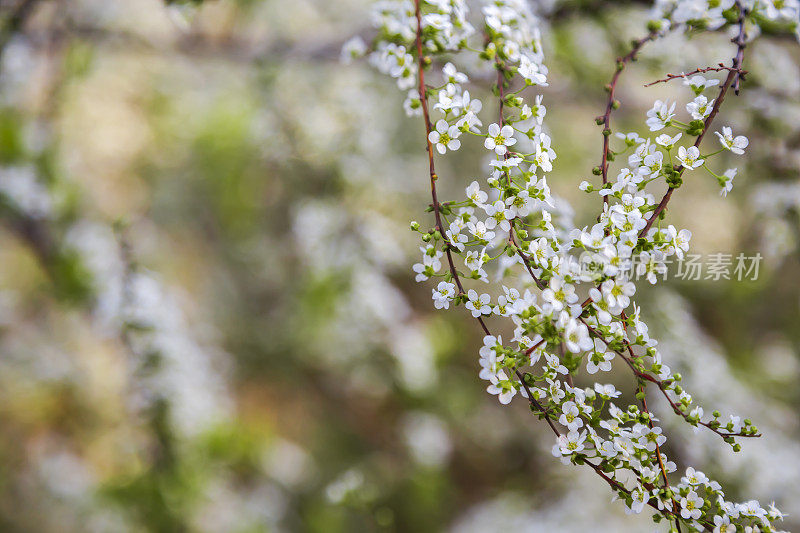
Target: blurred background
{"x":208,"y":319}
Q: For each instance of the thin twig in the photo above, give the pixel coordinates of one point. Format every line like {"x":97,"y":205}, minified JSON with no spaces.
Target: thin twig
{"x":734,"y":77}
{"x":605,"y":119}
{"x":721,"y":67}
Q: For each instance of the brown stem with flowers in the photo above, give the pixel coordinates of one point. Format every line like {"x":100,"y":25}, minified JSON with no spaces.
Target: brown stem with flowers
{"x":720,"y":68}
{"x":605,"y":119}
{"x":436,"y":208}
{"x":735,"y":75}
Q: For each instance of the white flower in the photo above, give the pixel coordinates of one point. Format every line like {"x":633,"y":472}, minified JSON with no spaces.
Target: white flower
{"x":544,"y":153}
{"x":470,"y":121}
{"x":774,"y":513}
{"x":727,"y":181}
{"x":499,"y":215}
{"x":630,"y":138}
{"x":353,"y":49}
{"x":679,"y":239}
{"x":431,"y":263}
{"x":786,"y":9}
{"x":694,"y":477}
{"x":595,"y":238}
{"x":554,"y":365}
{"x":480,"y":231}
{"x":576,"y":337}
{"x":650,"y":264}
{"x":640,"y":152}
{"x":499,"y":139}
{"x":447,"y":98}
{"x":668,"y":142}
{"x":570,"y":443}
{"x":442,"y":294}
{"x":454,"y":237}
{"x":699,"y":83}
{"x":474,"y":261}
{"x":452,"y":75}
{"x":445,"y":137}
{"x":691,"y":506}
{"x":722,"y":524}
{"x":618,"y":294}
{"x":660,"y":115}
{"x":751,"y":508}
{"x":467,"y":104}
{"x":570,"y":416}
{"x":502,"y":387}
{"x":504,"y":165}
{"x":479,"y":305}
{"x":651,"y":165}
{"x":531,"y":72}
{"x":640,"y":496}
{"x":475,"y":193}
{"x":729,"y":142}
{"x":650,"y":438}
{"x":559,"y":294}
{"x":624,"y":446}
{"x":599,"y":359}
{"x":700,"y":107}
{"x":412,"y":104}
{"x":521,"y":204}
{"x":607,"y":391}
{"x":690,"y":158}
{"x":607,"y":448}
{"x":489,"y":359}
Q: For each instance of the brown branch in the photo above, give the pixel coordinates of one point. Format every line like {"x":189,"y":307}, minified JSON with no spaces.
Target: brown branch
{"x":641,"y":388}
{"x":662,"y":386}
{"x":422,"y":61}
{"x":436,"y":208}
{"x":720,"y":68}
{"x":434,"y":197}
{"x":735,"y":74}
{"x":611,"y":104}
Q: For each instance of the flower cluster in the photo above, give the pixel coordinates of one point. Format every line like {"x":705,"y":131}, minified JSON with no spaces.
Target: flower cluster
{"x":508,"y":219}
{"x":712,"y":15}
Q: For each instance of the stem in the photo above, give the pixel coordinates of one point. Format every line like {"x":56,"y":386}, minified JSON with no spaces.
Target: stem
{"x":734,"y":77}
{"x":622,"y":62}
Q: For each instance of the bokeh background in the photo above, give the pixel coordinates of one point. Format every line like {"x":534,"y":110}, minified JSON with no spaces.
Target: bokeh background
{"x":208,"y":320}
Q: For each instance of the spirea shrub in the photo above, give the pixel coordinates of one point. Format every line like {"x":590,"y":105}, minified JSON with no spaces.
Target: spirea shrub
{"x":569,"y":291}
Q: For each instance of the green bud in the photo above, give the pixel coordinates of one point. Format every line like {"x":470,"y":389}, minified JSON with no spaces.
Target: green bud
{"x":414,"y":225}
{"x":596,"y":171}
{"x":674,"y":181}
{"x":653,"y":26}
